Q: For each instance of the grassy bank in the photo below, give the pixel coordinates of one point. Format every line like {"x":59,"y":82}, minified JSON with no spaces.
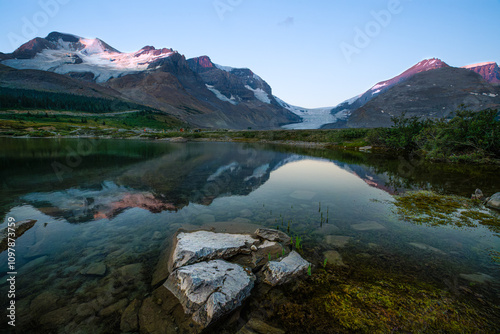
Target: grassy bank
{"x":467,"y":137}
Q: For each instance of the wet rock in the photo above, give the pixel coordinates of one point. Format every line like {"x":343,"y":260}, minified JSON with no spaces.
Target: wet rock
{"x":337,"y":240}
{"x":477,"y":278}
{"x":259,"y":327}
{"x":44,"y":302}
{"x":208,"y":290}
{"x":203,"y":245}
{"x":20,"y":228}
{"x":368,"y":226}
{"x":334,"y":258}
{"x":494,"y":201}
{"x":283,"y":271}
{"x":130,"y":317}
{"x":119,"y":306}
{"x":95,"y":269}
{"x":272,"y":235}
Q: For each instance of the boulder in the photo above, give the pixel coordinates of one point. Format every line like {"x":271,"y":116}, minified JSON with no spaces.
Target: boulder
{"x":200,"y":246}
{"x":494,"y":201}
{"x":283,"y":271}
{"x":208,"y":290}
{"x":272,"y":235}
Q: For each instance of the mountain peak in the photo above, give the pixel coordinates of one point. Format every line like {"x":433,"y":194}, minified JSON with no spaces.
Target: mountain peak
{"x":488,"y":70}
{"x":55,"y":36}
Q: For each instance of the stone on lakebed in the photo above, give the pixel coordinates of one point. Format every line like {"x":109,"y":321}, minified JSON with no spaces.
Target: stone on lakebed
{"x":208,"y":290}
{"x":283,"y":271}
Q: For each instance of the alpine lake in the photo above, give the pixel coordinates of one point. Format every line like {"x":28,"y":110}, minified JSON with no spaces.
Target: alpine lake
{"x":396,"y":244}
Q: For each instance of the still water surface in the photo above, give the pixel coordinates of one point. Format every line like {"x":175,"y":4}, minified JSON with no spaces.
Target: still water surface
{"x":104,"y":209}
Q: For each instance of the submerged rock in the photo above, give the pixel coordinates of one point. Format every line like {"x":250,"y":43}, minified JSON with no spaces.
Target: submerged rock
{"x":283,"y":271}
{"x":337,"y":240}
{"x":203,"y":245}
{"x":334,"y":258}
{"x":426,"y":247}
{"x":208,"y":290}
{"x":494,"y":201}
{"x":272,"y":235}
{"x":130,"y":318}
{"x":95,"y":269}
{"x":368,"y":226}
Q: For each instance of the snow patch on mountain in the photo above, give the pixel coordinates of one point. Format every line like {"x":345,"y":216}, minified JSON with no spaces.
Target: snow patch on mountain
{"x":221,"y":96}
{"x":224,"y":68}
{"x":260,"y":94}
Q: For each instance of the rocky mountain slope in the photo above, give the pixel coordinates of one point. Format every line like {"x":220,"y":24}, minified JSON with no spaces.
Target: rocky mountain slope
{"x":430,"y":88}
{"x":430,"y":94}
{"x":195,"y":90}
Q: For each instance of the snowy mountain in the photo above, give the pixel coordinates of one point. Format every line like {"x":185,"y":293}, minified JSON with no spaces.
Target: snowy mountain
{"x":74,"y":55}
{"x":196,"y":90}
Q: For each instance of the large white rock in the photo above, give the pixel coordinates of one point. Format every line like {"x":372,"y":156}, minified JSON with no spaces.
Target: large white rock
{"x":494,"y":201}
{"x":200,"y":246}
{"x":283,"y":271}
{"x":208,"y":290}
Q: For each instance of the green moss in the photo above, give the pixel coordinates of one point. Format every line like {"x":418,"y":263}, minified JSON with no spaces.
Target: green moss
{"x":333,"y":302}
{"x":430,"y":208}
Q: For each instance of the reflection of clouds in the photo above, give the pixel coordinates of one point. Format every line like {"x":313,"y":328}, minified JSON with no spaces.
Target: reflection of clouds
{"x":233,"y":166}
{"x":80,"y":205}
{"x":258,"y":172}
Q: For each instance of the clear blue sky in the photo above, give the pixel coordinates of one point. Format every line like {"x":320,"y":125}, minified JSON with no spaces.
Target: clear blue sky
{"x":295,"y":45}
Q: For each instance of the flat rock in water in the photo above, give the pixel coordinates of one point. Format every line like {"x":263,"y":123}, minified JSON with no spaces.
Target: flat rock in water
{"x":272,"y":235}
{"x":368,"y":226}
{"x":208,"y":290}
{"x":494,"y":201}
{"x":334,"y":258}
{"x":203,"y":245}
{"x":337,"y":240}
{"x":283,"y":271}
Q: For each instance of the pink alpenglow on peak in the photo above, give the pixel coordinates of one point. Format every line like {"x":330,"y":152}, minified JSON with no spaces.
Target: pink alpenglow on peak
{"x":488,"y":70}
